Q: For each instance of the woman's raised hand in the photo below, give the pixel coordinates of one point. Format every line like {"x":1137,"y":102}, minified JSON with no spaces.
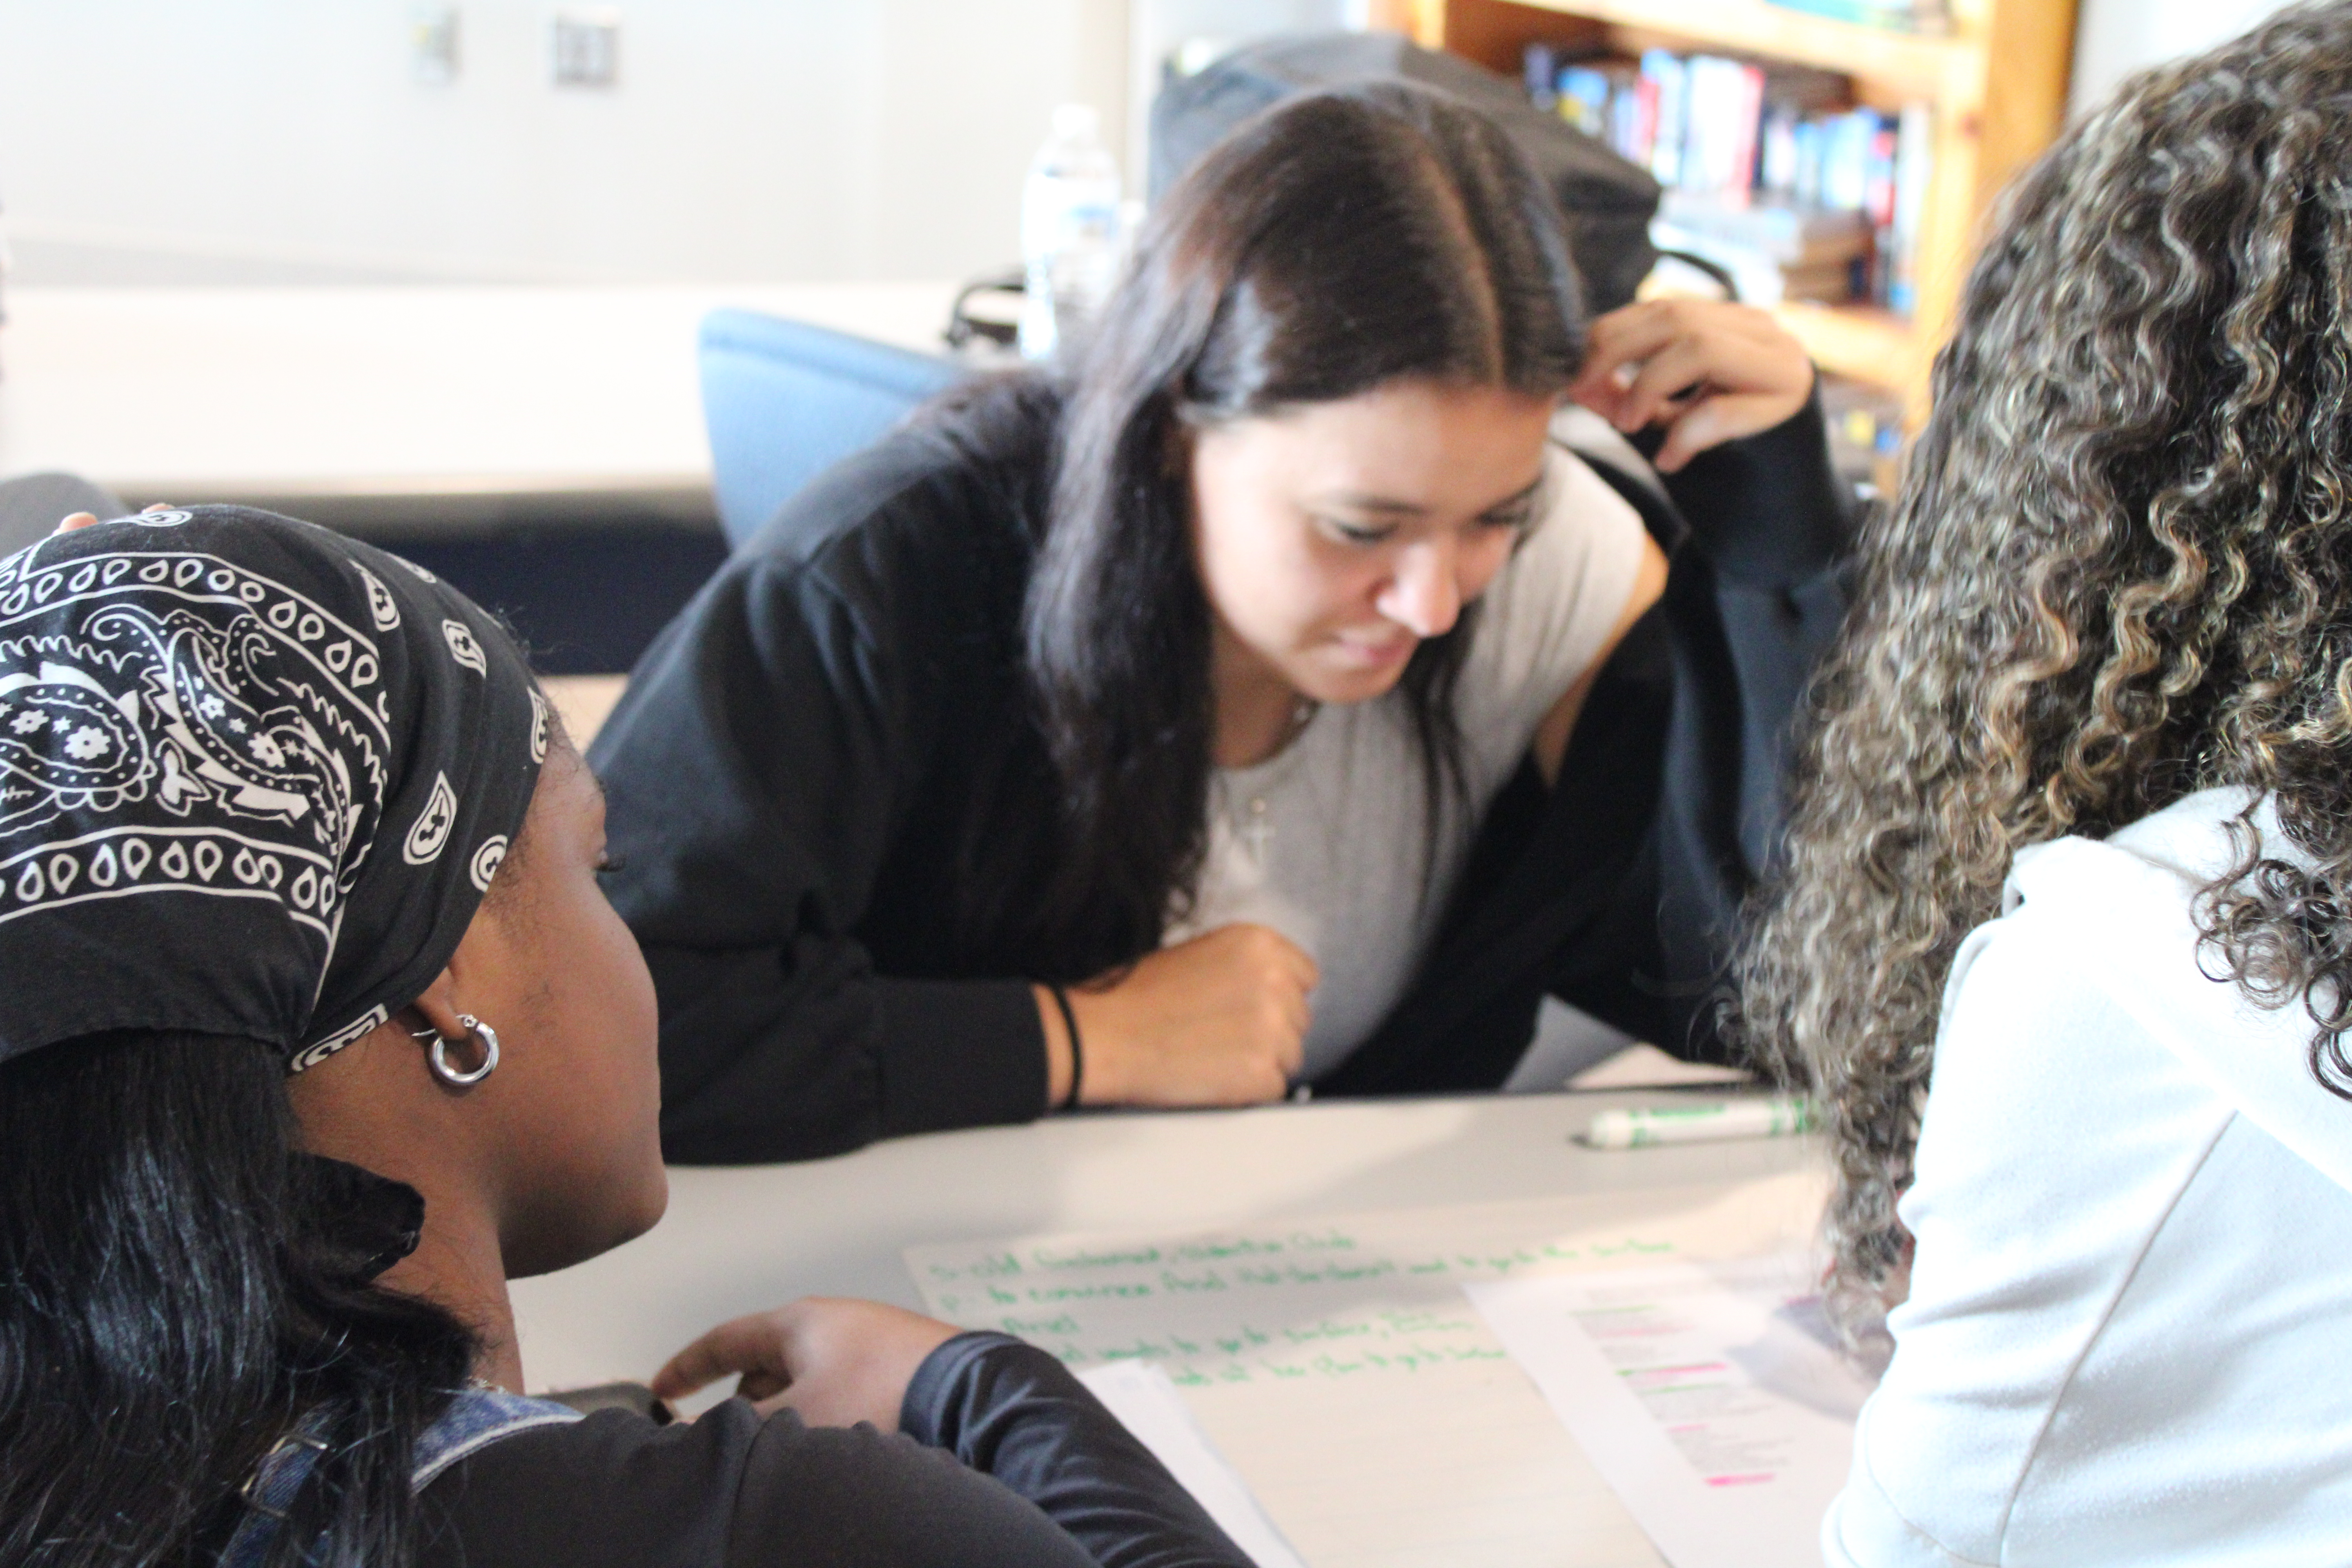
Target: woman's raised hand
{"x":836,"y":1362}
{"x":1708,"y":371}
{"x":1218,"y":1020}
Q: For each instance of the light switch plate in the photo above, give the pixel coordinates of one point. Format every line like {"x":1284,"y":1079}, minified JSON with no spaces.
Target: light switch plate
{"x":584,"y":47}
{"x":433,"y":44}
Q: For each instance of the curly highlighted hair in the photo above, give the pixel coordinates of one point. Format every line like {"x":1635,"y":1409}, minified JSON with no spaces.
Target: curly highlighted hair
{"x":2119,"y":571}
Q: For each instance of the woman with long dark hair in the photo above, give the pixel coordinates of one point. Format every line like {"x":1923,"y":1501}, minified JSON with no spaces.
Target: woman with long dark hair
{"x":2066,"y":931}
{"x":316,"y":1030}
{"x":1199,"y":722}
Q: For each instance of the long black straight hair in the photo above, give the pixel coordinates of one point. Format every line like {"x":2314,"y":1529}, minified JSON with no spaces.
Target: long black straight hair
{"x":180,"y":1287}
{"x":1336,"y":243}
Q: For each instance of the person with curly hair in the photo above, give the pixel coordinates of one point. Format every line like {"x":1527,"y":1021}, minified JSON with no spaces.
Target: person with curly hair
{"x":2063,"y":934}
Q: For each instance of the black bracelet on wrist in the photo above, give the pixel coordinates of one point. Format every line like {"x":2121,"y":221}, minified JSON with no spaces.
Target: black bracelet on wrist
{"x":1077,"y":1052}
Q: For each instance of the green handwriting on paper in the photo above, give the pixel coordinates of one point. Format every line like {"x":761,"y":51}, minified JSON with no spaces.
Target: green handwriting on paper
{"x":1277,"y":1304}
{"x":1323,"y":1345}
{"x":1408,"y":1358}
{"x":1258,"y":1261}
{"x":1049,"y":1257}
{"x":1117,"y":1289}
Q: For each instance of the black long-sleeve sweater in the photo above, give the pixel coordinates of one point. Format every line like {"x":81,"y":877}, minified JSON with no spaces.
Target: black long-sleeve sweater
{"x":1003,"y":1461}
{"x":804,"y":754}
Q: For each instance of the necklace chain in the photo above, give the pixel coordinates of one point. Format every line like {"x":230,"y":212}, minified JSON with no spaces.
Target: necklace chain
{"x":1251,"y":825}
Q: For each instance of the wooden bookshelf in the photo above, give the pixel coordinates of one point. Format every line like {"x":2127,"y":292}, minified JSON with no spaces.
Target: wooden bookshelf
{"x":1997,"y":82}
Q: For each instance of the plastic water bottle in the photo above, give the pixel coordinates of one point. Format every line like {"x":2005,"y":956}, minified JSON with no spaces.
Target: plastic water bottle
{"x":1069,"y":233}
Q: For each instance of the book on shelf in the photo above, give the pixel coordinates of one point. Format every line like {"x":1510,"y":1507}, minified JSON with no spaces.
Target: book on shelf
{"x":1929,"y":16}
{"x":1914,"y":161}
{"x":1837,"y":190}
{"x":1541,"y":65}
{"x":1594,"y":96}
{"x":1774,"y":230}
{"x":1760,"y":280}
{"x":1665,"y":85}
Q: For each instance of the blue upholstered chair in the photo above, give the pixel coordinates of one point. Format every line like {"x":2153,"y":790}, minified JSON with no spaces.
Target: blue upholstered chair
{"x":785,"y":400}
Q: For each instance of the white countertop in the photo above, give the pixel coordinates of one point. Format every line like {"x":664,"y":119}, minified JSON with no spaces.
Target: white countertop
{"x":201,"y":394}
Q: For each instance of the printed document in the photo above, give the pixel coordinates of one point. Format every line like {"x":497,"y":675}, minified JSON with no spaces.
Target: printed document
{"x":1711,"y":1397}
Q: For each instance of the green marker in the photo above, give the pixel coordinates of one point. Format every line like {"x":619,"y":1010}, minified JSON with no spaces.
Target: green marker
{"x":1775,"y":1116}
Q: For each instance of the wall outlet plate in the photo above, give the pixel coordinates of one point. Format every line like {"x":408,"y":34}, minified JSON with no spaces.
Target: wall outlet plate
{"x":584,"y":47}
{"x":433,"y":44}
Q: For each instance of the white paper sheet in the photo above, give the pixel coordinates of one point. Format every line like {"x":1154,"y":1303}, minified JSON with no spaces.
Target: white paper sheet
{"x":1147,"y":1405}
{"x":1338,"y":1369}
{"x":1710,"y":1397}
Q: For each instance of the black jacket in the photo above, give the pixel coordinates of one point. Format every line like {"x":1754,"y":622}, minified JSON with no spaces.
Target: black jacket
{"x":791,"y":778}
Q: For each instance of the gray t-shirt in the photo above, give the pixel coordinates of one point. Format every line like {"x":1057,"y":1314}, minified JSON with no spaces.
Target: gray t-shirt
{"x":1326,"y":841}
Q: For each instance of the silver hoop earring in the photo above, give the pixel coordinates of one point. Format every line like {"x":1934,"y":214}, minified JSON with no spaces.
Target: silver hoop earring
{"x":440,"y":1056}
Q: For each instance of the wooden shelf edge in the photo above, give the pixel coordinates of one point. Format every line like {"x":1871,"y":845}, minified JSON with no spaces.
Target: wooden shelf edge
{"x":1928,"y":66}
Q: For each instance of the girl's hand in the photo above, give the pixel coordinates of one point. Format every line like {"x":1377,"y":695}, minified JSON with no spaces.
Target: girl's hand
{"x":836,"y":1362}
{"x":1219,"y":1020}
{"x":1706,"y":370}
{"x":80,"y":520}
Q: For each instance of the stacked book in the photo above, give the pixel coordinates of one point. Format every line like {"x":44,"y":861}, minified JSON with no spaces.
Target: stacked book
{"x":1840,"y":189}
{"x":1773,"y":251}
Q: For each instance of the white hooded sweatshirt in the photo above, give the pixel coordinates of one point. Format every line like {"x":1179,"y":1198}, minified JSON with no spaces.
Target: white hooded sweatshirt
{"x":2131,"y":1304}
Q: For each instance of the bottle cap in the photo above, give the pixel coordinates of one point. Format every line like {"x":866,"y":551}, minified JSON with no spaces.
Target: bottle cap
{"x":1077,"y":122}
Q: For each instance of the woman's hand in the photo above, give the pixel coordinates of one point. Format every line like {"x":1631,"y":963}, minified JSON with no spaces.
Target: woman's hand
{"x":1218,"y":1020}
{"x":74,"y":521}
{"x":836,"y":1362}
{"x":1708,"y":371}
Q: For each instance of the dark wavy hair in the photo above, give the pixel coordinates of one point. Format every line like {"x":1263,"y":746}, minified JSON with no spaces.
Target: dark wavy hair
{"x":179,"y":1288}
{"x":2119,"y":571}
{"x":1336,"y":243}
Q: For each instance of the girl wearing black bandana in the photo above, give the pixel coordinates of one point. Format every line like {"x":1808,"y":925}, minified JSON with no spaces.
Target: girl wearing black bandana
{"x":316,"y":1030}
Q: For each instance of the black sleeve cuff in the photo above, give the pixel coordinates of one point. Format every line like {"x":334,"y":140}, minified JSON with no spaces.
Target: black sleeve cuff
{"x":1768,"y":511}
{"x":959,"y":1053}
{"x":1014,"y":1412}
{"x":933,"y":1409}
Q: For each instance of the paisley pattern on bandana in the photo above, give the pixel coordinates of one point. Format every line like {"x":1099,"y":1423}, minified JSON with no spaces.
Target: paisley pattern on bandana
{"x":462,"y":646}
{"x":234,"y":720}
{"x":431,"y":830}
{"x":380,"y":609}
{"x":487,"y":861}
{"x":209,"y":719}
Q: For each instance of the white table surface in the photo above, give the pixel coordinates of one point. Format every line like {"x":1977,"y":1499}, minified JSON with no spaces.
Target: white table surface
{"x":742,"y":1239}
{"x":209,"y":394}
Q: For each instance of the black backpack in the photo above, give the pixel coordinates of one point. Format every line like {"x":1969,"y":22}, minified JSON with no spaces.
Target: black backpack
{"x":1608,"y":201}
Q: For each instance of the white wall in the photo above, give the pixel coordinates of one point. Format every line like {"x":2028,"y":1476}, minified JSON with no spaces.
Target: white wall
{"x":748,"y":138}
{"x":2113,"y":38}
{"x":235,"y":139}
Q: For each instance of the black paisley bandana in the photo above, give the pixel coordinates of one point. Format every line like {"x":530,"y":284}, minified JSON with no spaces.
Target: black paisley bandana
{"x":254,"y":778}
